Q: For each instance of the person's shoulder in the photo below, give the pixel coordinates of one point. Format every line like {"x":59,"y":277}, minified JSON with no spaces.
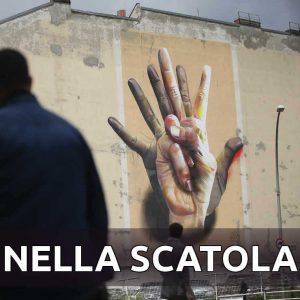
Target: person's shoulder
{"x":25,"y":114}
{"x":59,"y":120}
{"x":63,"y":134}
{"x":63,"y":126}
{"x":176,"y":244}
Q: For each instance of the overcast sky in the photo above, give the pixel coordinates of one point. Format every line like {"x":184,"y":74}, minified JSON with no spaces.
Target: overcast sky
{"x":274,"y":14}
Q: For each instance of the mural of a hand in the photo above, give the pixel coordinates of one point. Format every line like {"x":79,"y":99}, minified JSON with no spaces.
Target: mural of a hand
{"x":185,"y":167}
{"x":171,"y":101}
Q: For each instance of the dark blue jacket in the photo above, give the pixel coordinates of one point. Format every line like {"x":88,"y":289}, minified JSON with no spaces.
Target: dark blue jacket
{"x":48,"y":178}
{"x":48,"y":184}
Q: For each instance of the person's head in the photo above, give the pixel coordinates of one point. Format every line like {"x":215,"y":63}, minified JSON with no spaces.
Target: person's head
{"x":175,"y":230}
{"x":14,"y":73}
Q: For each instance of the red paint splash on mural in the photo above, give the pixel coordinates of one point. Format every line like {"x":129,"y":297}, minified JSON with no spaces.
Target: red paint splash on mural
{"x":236,"y":157}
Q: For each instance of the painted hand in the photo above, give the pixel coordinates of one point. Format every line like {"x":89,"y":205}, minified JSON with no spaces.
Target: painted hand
{"x":186,"y":178}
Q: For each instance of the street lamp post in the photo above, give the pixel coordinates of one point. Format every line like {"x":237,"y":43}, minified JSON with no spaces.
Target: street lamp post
{"x":280,"y":108}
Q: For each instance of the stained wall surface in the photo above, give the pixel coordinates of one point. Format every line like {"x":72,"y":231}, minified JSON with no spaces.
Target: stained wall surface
{"x":81,"y":64}
{"x":268,"y":77}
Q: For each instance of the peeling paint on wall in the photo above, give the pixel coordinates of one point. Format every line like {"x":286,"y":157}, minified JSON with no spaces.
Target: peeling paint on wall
{"x":56,"y":49}
{"x":91,"y":61}
{"x":260,"y":146}
{"x":292,"y":42}
{"x":283,"y":166}
{"x":251,"y":38}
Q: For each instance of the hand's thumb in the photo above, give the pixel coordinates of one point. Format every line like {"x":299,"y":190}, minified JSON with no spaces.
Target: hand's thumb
{"x":224,"y":160}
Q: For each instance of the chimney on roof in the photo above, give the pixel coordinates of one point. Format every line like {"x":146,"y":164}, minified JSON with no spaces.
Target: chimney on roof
{"x":121,"y":13}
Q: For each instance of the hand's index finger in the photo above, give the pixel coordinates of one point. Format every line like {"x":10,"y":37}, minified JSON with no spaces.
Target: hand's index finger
{"x":160,"y":92}
{"x":184,"y":90}
{"x":170,"y":82}
{"x":201,"y":101}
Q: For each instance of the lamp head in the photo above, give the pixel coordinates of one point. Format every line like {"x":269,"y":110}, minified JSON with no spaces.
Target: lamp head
{"x":280,"y":108}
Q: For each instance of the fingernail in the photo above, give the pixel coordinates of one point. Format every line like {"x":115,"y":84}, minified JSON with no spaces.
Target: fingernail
{"x":207,"y":69}
{"x":175,"y":131}
{"x":153,"y":74}
{"x":179,"y":68}
{"x":135,"y":88}
{"x":114,"y":122}
{"x":188,"y":185}
{"x":164,"y":59}
{"x":190,"y":163}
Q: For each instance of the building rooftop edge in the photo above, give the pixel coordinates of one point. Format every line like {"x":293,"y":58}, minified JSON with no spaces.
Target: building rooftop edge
{"x":110,"y":16}
{"x":143,"y":8}
{"x":25,"y":13}
{"x":188,"y":16}
{"x":209,"y":20}
{"x":275,"y":31}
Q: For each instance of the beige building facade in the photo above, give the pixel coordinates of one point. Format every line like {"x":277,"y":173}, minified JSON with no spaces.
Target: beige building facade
{"x":81,"y":63}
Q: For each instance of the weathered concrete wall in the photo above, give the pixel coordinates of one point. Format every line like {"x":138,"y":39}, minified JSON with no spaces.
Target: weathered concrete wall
{"x":73,"y":63}
{"x":242,"y":36}
{"x":81,"y":64}
{"x":266,"y":79}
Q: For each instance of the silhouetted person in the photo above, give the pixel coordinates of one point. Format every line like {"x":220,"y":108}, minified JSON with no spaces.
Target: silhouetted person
{"x":48,"y":179}
{"x":244,"y":289}
{"x":175,"y":285}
